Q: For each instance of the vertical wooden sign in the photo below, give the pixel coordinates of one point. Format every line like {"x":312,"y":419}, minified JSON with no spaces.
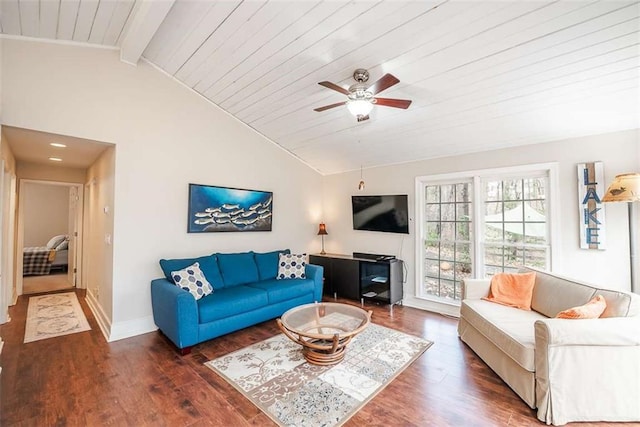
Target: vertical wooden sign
{"x":590,"y":192}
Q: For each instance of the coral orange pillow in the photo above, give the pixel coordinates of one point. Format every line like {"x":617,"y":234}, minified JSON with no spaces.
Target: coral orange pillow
{"x":514,"y":290}
{"x":591,"y":310}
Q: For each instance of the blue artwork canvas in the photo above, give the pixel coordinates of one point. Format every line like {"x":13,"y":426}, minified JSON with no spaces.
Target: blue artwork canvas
{"x":228,"y":209}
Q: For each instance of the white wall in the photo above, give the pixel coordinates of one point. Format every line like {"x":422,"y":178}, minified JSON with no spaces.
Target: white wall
{"x":46,"y":212}
{"x":608,"y":268}
{"x":1,"y":50}
{"x":42,"y":172}
{"x":98,"y":252}
{"x":166,"y":137}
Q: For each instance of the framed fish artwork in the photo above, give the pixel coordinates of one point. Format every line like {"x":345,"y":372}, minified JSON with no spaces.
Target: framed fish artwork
{"x":213,"y":209}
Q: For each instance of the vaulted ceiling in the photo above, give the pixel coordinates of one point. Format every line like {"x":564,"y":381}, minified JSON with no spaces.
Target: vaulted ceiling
{"x":481,"y":74}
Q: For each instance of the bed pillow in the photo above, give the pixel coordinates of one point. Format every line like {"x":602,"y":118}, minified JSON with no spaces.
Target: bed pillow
{"x":591,"y":310}
{"x":55,"y":241}
{"x":192,"y":280}
{"x":292,"y":266}
{"x":512,"y":289}
{"x":63,"y":246}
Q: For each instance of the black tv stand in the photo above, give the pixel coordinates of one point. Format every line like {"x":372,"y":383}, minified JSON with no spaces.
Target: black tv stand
{"x":375,"y":257}
{"x":362,"y":277}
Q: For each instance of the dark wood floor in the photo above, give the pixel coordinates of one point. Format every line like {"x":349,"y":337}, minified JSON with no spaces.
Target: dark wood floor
{"x":82,"y":380}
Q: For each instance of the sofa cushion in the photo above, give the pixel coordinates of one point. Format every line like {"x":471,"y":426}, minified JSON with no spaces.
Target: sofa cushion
{"x":192,"y":280}
{"x":552,"y":294}
{"x":509,"y":328}
{"x":208,"y":265}
{"x":292,"y":266}
{"x":619,"y":304}
{"x":229,"y":302}
{"x":268,"y":263}
{"x":283,"y":290}
{"x":238,"y":269}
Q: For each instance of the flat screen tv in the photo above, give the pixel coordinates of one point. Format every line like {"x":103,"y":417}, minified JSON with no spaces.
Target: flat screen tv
{"x":389,"y":214}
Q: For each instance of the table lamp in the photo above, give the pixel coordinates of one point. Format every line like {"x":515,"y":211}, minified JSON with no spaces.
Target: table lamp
{"x":322,"y":231}
{"x":626,"y":188}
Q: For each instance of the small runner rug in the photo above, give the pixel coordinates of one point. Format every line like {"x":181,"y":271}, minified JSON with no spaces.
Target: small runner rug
{"x":274,"y":375}
{"x":54,"y":315}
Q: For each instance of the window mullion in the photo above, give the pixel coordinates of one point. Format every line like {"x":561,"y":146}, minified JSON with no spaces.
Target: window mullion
{"x":478,"y":199}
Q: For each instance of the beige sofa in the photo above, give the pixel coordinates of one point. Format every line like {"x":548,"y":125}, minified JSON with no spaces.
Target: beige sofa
{"x":571,"y":370}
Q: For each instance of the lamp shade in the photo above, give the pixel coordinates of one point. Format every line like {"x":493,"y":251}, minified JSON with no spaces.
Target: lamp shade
{"x":625,"y":188}
{"x":322,"y":229}
{"x":359,"y":107}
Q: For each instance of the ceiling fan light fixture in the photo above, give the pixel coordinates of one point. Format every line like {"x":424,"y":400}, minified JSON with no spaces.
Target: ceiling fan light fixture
{"x":361,"y":97}
{"x":359,"y":107}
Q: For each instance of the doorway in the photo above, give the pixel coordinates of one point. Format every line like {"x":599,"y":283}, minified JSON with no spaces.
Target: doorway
{"x":49,"y":236}
{"x":7,"y":224}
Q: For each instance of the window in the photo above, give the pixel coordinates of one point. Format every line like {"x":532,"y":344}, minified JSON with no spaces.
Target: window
{"x":447,"y":239}
{"x":476,"y":224}
{"x":515,"y":224}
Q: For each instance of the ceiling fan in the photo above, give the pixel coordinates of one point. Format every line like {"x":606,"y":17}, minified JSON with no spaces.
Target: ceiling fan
{"x":362,"y":98}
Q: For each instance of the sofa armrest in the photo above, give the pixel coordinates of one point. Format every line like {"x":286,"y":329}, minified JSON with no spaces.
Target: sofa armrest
{"x":587,"y":369}
{"x":611,"y":331}
{"x":475,"y":288}
{"x":175,"y":312}
{"x":315,"y":273}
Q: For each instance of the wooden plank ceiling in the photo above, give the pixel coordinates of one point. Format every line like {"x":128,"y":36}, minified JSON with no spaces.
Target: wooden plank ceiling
{"x":481,"y":74}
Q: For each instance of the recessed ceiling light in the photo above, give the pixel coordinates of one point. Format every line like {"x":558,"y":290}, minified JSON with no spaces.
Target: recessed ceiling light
{"x":57,"y":144}
{"x":55,"y":159}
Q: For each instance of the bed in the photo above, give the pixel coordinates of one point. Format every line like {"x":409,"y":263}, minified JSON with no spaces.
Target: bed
{"x":61,"y":259}
{"x":40,"y":260}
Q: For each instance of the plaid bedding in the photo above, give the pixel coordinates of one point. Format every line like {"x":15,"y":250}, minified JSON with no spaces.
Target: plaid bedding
{"x":37,"y":260}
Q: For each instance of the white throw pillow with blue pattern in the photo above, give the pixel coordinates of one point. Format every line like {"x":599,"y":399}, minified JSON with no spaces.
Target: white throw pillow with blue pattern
{"x":291,"y":266}
{"x":192,"y":279}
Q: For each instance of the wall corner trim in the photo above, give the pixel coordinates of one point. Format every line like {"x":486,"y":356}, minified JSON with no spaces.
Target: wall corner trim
{"x":101,"y":317}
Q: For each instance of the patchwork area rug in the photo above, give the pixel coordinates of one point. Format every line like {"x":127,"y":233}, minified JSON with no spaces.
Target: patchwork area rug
{"x":54,"y":315}
{"x":274,"y":375}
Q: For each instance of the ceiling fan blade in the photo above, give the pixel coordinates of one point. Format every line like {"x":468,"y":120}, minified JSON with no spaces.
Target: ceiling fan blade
{"x":385,"y":82}
{"x":335,"y":87}
{"x":326,"y":107}
{"x":396,"y":103}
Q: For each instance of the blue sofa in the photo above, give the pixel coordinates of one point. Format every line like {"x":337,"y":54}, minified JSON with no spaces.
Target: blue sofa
{"x":246,"y":292}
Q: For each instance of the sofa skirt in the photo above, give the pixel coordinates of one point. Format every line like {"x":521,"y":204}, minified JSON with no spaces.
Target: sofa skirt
{"x":519,"y":379}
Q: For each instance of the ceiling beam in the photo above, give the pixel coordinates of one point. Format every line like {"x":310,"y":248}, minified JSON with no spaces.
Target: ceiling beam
{"x":147,"y":18}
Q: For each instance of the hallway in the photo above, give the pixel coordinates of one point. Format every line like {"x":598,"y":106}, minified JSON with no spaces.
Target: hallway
{"x":52,"y":282}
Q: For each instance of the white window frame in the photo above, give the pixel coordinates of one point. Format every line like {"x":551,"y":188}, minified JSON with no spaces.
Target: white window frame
{"x":550,"y":170}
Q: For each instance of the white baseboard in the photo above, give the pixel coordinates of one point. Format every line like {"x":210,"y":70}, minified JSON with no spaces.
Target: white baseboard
{"x":101,"y":317}
{"x":114,"y":331}
{"x":131,"y":328}
{"x":446,"y":309}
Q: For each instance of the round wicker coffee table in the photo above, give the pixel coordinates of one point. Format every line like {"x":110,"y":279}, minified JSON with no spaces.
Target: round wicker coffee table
{"x":324,"y":329}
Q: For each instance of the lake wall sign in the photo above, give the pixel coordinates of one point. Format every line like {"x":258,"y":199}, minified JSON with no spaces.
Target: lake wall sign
{"x":590,"y":191}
